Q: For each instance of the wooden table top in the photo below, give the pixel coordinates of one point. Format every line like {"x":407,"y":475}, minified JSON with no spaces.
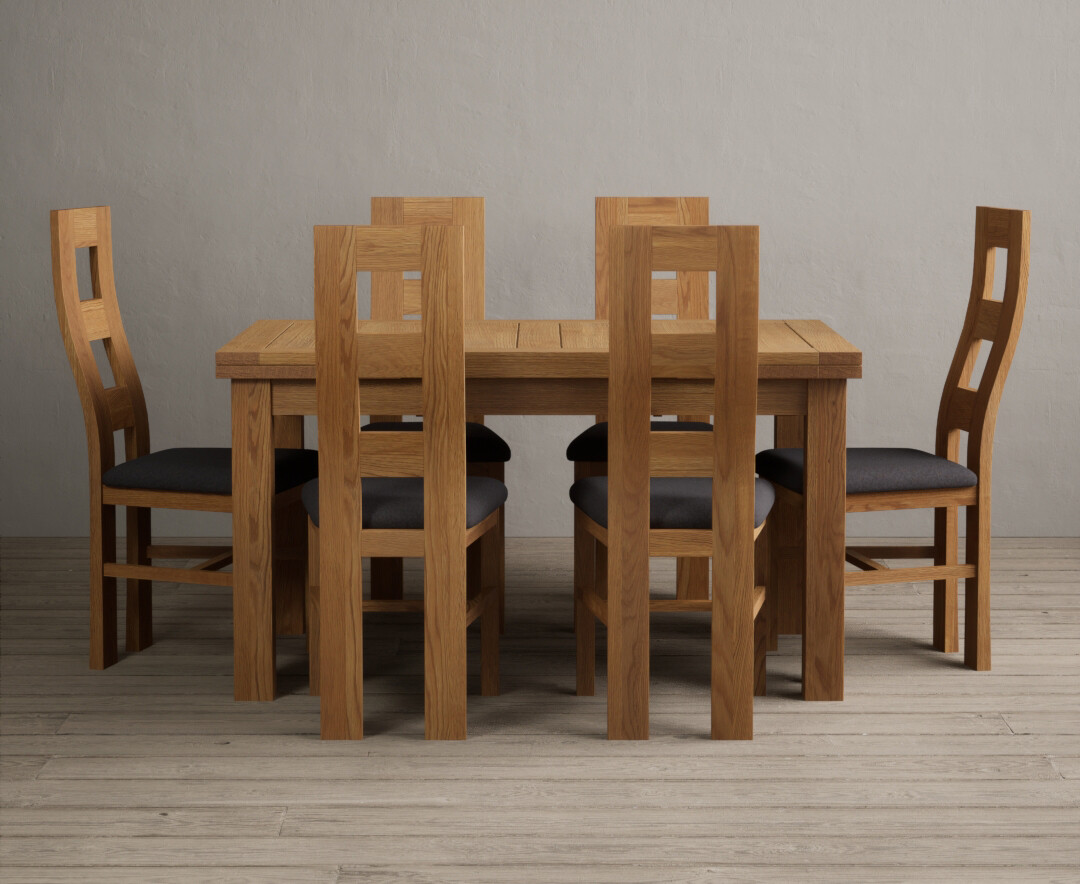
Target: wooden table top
{"x":273,"y":349}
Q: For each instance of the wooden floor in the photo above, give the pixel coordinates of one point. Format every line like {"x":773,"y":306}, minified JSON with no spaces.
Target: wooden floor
{"x":927,"y":771}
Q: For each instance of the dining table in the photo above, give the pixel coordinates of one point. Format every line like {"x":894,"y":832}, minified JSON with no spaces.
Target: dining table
{"x":544,"y":367}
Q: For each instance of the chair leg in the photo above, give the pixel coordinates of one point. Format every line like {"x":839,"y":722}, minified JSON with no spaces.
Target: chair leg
{"x":139,"y":612}
{"x":387,"y":578}
{"x":946,"y":552}
{"x":289,"y":533}
{"x":103,"y":650}
{"x":585,"y":549}
{"x":761,"y":647}
{"x":787,"y":565}
{"x":312,"y":608}
{"x":499,"y":554}
{"x":691,"y":578}
{"x":765,"y":623}
{"x":764,"y":576}
{"x":977,"y":588}
{"x":489,"y":649}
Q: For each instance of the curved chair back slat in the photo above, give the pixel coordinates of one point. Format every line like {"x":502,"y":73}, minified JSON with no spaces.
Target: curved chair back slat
{"x":974,"y":409}
{"x":83,"y":321}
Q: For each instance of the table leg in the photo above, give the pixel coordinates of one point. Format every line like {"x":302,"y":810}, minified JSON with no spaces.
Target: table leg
{"x":825,"y":486}
{"x":290,"y":531}
{"x":253,"y":499}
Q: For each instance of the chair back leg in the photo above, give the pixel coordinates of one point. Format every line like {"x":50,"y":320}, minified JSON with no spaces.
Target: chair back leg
{"x":311,"y":604}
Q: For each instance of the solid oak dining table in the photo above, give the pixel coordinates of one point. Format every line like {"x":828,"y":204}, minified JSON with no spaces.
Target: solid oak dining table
{"x":538,"y":367}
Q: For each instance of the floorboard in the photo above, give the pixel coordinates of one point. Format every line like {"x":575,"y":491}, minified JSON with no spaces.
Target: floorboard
{"x":150,"y":772}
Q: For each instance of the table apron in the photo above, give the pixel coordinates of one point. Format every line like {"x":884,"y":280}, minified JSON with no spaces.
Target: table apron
{"x":551,"y":396}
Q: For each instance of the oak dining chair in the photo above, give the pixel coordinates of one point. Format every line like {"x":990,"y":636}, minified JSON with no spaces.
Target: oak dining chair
{"x":395,"y":297}
{"x":684,"y":297}
{"x":396,"y":494}
{"x":881,"y":479}
{"x":678,"y":493}
{"x":173,"y":478}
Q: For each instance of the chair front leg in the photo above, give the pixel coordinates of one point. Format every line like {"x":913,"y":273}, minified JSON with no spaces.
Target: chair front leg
{"x":946,"y":552}
{"x":103,"y":650}
{"x":139,"y":612}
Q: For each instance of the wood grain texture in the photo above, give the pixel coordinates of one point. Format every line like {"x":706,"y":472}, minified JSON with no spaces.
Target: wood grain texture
{"x":736,"y":262}
{"x":686,"y":297}
{"x":628,"y":484}
{"x":341,"y":648}
{"x":437,"y":453}
{"x":444,"y":485}
{"x":252,"y":504}
{"x":393,"y":297}
{"x":611,"y":563}
{"x":825,"y":482}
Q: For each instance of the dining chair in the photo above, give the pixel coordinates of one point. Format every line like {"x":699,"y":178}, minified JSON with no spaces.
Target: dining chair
{"x":172,"y":478}
{"x":880,"y":479}
{"x":396,"y":494}
{"x":672,"y":493}
{"x":685,"y":297}
{"x":395,"y":297}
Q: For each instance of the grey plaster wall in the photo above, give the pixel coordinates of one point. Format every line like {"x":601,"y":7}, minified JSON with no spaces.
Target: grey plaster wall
{"x":859,"y":135}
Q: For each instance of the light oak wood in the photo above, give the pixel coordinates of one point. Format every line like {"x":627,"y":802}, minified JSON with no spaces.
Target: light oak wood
{"x":686,"y":297}
{"x":106,"y":410}
{"x":393,"y":298}
{"x":437,"y":452}
{"x":963,"y":409}
{"x":634,"y":452}
{"x":503,"y":378}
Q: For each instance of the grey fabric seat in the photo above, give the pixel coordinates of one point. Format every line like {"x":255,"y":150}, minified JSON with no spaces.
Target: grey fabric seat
{"x":205,"y":470}
{"x":592,"y":444}
{"x":674,"y":503}
{"x":399,"y":503}
{"x":482,"y":444}
{"x":872,"y":470}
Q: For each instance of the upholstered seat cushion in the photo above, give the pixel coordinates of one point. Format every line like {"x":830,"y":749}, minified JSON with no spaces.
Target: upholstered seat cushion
{"x":675,"y":503}
{"x":399,"y":503}
{"x":482,"y":444}
{"x":205,"y":470}
{"x":592,"y":444}
{"x":872,"y":470}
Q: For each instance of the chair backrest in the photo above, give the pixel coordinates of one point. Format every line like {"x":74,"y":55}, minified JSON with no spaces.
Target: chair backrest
{"x":120,"y":406}
{"x":727,"y":454}
{"x":432,"y":350}
{"x":393,"y":296}
{"x":686,"y":296}
{"x":974,"y":409}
